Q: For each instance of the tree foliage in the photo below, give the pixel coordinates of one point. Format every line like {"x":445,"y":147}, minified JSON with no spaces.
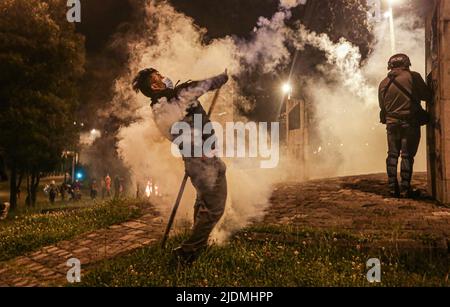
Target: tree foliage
{"x":41,"y":60}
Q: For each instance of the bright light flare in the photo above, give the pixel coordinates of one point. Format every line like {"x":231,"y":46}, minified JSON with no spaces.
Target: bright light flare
{"x":149,"y":189}
{"x":391,"y":2}
{"x":287,"y":88}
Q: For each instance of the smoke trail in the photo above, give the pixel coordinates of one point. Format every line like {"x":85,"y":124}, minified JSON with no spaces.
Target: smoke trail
{"x":173,"y":44}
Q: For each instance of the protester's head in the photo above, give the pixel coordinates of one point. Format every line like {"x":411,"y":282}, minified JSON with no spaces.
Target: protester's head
{"x":149,"y":82}
{"x":399,"y":61}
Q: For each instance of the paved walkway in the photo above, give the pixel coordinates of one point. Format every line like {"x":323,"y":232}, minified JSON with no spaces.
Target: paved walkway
{"x":47,"y":267}
{"x":361,"y":205}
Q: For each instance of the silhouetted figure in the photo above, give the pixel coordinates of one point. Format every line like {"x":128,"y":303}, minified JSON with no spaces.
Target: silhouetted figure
{"x":138,"y":191}
{"x":94,"y":190}
{"x":108,"y":186}
{"x":52,"y":192}
{"x":400,"y":96}
{"x":62,"y":191}
{"x":117,"y":187}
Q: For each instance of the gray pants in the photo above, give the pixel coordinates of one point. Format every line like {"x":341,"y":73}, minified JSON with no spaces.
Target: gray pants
{"x":208,"y":177}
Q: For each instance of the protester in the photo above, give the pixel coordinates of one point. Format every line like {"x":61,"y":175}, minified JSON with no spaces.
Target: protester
{"x":179,"y":104}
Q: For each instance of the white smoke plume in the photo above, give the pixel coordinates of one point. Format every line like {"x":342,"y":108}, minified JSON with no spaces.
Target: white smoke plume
{"x":345,"y":100}
{"x":289,"y":4}
{"x":268,"y":47}
{"x":173,"y":45}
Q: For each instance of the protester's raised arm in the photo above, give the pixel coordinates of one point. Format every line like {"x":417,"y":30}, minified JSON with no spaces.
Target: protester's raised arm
{"x":196,"y":89}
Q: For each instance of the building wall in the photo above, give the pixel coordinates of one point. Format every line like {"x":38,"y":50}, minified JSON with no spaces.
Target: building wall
{"x":438,"y":75}
{"x":296,"y":136}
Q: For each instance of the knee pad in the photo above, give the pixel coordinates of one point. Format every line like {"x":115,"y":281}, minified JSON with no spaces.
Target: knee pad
{"x":392,"y":160}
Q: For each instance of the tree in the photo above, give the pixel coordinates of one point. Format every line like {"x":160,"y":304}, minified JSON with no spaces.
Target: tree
{"x":41,"y":60}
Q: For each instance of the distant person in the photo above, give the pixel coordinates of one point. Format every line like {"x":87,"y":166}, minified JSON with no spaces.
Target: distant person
{"x":117,"y":187}
{"x":138,"y":191}
{"x":122,"y":186}
{"x":4,"y":210}
{"x":400,"y":96}
{"x":108,"y":186}
{"x":52,"y":192}
{"x":77,"y":190}
{"x":62,"y":191}
{"x":94,"y":190}
{"x":71,"y":191}
{"x":103,"y":188}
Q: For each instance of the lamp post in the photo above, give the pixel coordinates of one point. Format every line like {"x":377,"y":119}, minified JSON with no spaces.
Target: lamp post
{"x":74,"y":156}
{"x":390,"y":14}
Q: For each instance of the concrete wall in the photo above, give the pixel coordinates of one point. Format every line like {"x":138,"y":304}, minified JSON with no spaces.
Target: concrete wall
{"x":297,"y":139}
{"x":438,"y":71}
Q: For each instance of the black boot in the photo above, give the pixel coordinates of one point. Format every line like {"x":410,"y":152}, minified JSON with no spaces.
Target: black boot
{"x":410,"y":193}
{"x":394,"y":190}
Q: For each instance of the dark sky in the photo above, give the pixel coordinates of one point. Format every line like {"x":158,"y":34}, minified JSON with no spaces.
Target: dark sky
{"x":221,"y":17}
{"x":100,"y":18}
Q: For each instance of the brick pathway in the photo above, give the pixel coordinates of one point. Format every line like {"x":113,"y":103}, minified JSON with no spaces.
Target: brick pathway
{"x":47,"y":267}
{"x":361,"y":205}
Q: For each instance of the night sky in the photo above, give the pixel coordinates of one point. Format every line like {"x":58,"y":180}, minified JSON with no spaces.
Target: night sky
{"x":101,"y":19}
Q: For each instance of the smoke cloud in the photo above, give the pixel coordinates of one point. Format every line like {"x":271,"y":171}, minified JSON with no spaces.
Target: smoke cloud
{"x":173,"y":44}
{"x":345,"y":98}
{"x":289,"y":4}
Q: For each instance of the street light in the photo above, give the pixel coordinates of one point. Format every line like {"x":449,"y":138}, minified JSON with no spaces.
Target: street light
{"x":287,"y":89}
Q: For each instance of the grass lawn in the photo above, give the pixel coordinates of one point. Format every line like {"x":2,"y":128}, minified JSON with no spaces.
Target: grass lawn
{"x":28,"y":232}
{"x":271,"y":256}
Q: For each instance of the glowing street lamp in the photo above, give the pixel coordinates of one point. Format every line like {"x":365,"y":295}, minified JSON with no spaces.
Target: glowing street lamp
{"x":287,"y":89}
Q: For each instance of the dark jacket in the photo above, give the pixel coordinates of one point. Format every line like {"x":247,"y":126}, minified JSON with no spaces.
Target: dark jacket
{"x":395,"y":105}
{"x":181,"y":105}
